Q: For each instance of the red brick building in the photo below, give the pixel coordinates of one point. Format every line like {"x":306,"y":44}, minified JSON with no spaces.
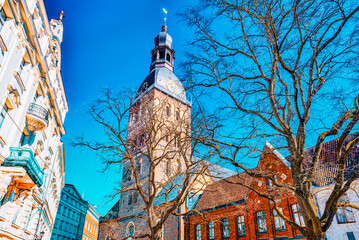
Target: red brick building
{"x":229,"y":210}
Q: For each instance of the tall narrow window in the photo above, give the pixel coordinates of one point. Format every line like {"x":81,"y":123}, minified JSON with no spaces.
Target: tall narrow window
{"x":261,"y":220}
{"x":179,"y":168}
{"x":198,"y":232}
{"x":176,"y":141}
{"x":225,"y":228}
{"x":135,"y":198}
{"x":279,"y":222}
{"x":168,"y":111}
{"x":211,"y":231}
{"x":177,"y":115}
{"x":130,"y":231}
{"x":3,"y":114}
{"x":139,"y":165}
{"x":168,"y":168}
{"x":168,"y":57}
{"x":345,"y":214}
{"x":297,"y":214}
{"x":240,"y":226}
{"x":130,"y":198}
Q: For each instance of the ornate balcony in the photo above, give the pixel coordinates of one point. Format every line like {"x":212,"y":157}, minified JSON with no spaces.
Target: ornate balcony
{"x":23,"y":157}
{"x":37,"y":117}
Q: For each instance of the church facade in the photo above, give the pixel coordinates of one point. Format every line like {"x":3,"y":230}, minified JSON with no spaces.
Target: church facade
{"x":158,"y":127}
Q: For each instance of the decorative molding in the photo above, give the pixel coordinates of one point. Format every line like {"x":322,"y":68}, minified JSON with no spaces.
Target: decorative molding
{"x":19,"y":81}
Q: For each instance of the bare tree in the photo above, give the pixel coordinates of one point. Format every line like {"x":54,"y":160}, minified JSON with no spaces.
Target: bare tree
{"x":151,"y":138}
{"x":280,"y":70}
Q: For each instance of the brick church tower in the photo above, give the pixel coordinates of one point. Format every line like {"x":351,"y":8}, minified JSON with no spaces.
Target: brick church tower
{"x":158,"y":145}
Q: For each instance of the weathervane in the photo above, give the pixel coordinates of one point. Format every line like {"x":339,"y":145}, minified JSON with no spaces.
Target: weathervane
{"x":164,"y":10}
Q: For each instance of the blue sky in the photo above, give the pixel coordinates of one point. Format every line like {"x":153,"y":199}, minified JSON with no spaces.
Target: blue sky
{"x":106,"y":45}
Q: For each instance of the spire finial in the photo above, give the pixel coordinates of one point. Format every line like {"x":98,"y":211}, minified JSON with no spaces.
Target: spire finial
{"x":164,"y":27}
{"x":165,"y":11}
{"x":61,"y":15}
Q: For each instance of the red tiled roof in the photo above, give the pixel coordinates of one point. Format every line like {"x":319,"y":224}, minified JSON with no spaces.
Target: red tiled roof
{"x":223,"y":192}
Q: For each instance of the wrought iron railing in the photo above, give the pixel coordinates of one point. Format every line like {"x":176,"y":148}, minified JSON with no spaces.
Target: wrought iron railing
{"x":24,"y":157}
{"x":38,"y":111}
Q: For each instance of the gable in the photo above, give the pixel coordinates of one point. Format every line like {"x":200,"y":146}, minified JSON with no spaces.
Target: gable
{"x":71,"y":190}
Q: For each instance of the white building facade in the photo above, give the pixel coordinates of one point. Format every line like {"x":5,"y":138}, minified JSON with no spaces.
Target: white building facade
{"x":33,"y":107}
{"x":345,"y":225}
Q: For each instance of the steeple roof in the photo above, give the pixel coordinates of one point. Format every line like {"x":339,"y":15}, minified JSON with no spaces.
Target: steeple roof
{"x":161,"y":74}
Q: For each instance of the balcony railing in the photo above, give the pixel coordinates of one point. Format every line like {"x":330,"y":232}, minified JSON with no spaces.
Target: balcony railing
{"x":24,"y":157}
{"x":37,"y":117}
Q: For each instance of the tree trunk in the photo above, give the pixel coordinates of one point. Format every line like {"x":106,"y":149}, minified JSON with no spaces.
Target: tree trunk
{"x":313,"y":237}
{"x":156,"y":234}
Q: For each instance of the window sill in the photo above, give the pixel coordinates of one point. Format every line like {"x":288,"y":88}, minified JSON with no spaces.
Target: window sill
{"x":280,"y":230}
{"x":346,"y":222}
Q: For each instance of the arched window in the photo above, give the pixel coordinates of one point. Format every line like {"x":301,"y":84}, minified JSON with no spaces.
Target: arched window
{"x":108,"y":237}
{"x":130,"y":230}
{"x":279,"y":222}
{"x":168,"y":57}
{"x":177,"y":115}
{"x":225,"y":228}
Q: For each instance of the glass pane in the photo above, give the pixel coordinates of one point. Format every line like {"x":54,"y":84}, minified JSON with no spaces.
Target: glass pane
{"x":349,"y":214}
{"x":264,"y":225}
{"x":296,"y":218}
{"x":340,"y":215}
{"x":282,"y":224}
{"x":302,"y":220}
{"x":277,"y":223}
{"x":294,"y":208}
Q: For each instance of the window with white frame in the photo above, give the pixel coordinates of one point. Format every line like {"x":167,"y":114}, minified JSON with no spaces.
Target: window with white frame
{"x":344,"y":214}
{"x":261,"y":220}
{"x":198,"y":232}
{"x":225,"y":228}
{"x":279,"y":222}
{"x":298,"y":216}
{"x":211,"y":231}
{"x":240,"y":226}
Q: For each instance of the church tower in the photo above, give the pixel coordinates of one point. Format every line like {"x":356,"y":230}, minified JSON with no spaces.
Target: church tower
{"x":158,"y":139}
{"x":160,"y":116}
